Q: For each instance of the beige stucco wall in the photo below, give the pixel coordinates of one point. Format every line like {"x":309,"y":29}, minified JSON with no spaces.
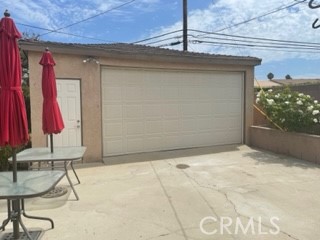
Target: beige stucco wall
{"x":298,"y":145}
{"x":72,"y":67}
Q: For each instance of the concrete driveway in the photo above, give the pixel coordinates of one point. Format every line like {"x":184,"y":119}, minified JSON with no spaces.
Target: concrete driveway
{"x":230,"y":192}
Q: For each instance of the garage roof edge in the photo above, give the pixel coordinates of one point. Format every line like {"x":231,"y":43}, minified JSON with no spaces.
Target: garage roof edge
{"x":134,"y":51}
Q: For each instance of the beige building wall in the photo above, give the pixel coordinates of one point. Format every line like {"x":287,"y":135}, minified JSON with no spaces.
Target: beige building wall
{"x":72,"y":67}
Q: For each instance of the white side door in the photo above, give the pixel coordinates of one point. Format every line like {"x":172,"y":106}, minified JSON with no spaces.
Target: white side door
{"x":70,"y":107}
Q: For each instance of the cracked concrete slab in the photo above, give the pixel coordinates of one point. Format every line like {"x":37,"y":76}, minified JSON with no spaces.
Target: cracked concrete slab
{"x":227,"y":192}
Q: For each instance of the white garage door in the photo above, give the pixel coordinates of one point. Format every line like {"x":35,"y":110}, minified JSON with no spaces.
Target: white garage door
{"x":148,"y":110}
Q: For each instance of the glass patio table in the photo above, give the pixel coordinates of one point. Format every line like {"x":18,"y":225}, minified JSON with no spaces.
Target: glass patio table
{"x":29,"y":184}
{"x":67,"y":155}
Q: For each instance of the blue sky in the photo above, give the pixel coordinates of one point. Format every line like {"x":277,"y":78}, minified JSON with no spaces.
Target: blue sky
{"x":133,"y":20}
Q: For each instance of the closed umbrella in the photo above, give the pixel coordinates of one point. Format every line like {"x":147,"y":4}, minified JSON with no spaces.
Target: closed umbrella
{"x":52,"y":121}
{"x":13,"y":120}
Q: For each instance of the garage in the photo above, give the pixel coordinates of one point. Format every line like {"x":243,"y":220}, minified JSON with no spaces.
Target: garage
{"x":145,"y":109}
{"x":134,"y":98}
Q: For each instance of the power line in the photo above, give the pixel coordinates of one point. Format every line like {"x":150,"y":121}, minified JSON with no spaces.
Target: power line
{"x":65,"y":33}
{"x":86,"y":19}
{"x":167,"y":39}
{"x":263,"y":15}
{"x":260,"y":48}
{"x":254,"y":38}
{"x":258,"y":45}
{"x":228,"y":27}
{"x":157,"y":36}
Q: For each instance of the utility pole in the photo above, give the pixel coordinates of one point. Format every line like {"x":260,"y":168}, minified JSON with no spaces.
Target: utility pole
{"x":185,"y":25}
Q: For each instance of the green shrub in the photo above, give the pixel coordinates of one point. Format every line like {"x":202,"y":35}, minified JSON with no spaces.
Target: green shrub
{"x":5,"y":153}
{"x":291,"y":111}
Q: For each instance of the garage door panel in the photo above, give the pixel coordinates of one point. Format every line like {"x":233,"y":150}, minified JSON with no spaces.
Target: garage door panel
{"x":170,"y":94}
{"x":149,"y":110}
{"x":189,"y":125}
{"x":172,"y":126}
{"x":204,"y":109}
{"x":172,"y":142}
{"x":154,"y":126}
{"x":234,"y":108}
{"x":152,"y":111}
{"x":133,"y":128}
{"x":113,"y":129}
{"x":133,"y":111}
{"x":189,"y":109}
{"x":114,"y":146}
{"x":171,"y":110}
{"x":205,"y":124}
{"x":152,"y":93}
{"x":113,"y":112}
{"x":135,"y":145}
{"x":187,"y":93}
{"x":154,"y":143}
{"x":112,"y":94}
{"x":133,"y":93}
{"x":221,"y":108}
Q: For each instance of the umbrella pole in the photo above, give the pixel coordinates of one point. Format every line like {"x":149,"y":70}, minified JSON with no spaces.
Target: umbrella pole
{"x":14,"y":164}
{"x":51,"y":149}
{"x":16,"y":202}
{"x":51,"y":142}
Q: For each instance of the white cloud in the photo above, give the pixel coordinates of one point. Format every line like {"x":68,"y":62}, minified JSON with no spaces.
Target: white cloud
{"x":293,"y":24}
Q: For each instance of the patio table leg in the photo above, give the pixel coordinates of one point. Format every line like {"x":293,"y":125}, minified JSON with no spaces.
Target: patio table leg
{"x":69,"y":180}
{"x":24,"y":228}
{"x":75,"y":172}
{"x":35,"y":217}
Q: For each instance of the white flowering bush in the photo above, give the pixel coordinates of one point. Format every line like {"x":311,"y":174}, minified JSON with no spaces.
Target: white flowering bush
{"x":290,"y":110}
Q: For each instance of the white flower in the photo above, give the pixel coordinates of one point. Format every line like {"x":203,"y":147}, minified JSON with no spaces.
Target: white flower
{"x":289,"y":96}
{"x":270,"y":101}
{"x":310,"y":108}
{"x":270,"y":90}
{"x":259,"y":93}
{"x":315,"y":120}
{"x":286,"y":102}
{"x":315,"y":112}
{"x":277,"y":95}
{"x":283,"y":120}
{"x":315,"y":101}
{"x":300,"y":111}
{"x":299,"y":102}
{"x":300,"y":94}
{"x":257,"y":100}
{"x":308,"y":96}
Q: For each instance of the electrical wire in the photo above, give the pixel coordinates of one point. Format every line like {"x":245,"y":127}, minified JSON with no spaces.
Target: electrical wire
{"x":253,"y":38}
{"x":89,"y":18}
{"x":157,"y":36}
{"x":258,"y":46}
{"x":231,"y":26}
{"x":260,"y":16}
{"x":166,"y":39}
{"x":65,"y":33}
{"x":262,"y":42}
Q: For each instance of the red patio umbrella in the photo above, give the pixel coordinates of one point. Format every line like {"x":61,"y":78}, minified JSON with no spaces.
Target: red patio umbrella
{"x":13,"y":117}
{"x":13,"y":121}
{"x":52,"y":121}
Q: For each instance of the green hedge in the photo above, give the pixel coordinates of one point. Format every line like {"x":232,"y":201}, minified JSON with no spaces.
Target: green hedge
{"x":290,"y":110}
